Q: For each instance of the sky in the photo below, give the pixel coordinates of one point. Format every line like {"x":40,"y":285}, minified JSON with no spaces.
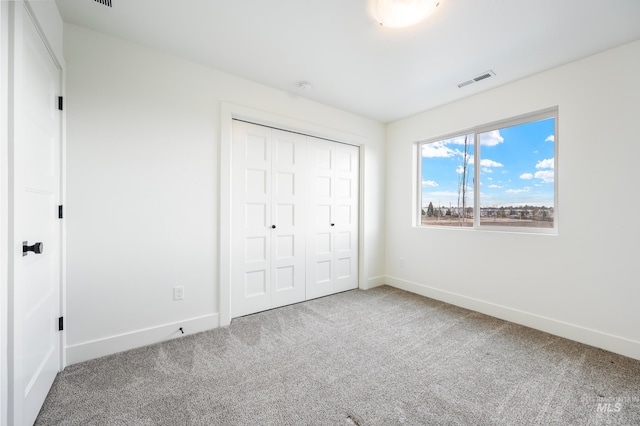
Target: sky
{"x":516,"y":167}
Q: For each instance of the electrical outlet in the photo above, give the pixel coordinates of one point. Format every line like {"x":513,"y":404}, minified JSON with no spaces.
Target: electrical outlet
{"x":178,"y":292}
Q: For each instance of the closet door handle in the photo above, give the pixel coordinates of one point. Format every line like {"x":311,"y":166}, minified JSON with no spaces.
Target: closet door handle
{"x":333,"y":224}
{"x":273,"y":227}
{"x":36,"y":248}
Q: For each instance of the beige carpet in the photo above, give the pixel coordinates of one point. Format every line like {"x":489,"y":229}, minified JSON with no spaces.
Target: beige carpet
{"x":377,"y":357}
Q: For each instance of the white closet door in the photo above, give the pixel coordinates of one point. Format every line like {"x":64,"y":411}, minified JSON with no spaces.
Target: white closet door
{"x":346,"y":197}
{"x":332,"y":233}
{"x":267,"y":224}
{"x":288,"y":213}
{"x":320,"y":244}
{"x":251,"y":219}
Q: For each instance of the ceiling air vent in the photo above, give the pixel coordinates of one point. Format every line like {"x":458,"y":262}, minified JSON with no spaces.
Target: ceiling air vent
{"x":108,"y":3}
{"x":480,"y":77}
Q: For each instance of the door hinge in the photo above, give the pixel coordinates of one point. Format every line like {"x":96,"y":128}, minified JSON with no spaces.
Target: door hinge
{"x":60,"y":215}
{"x":60,"y":323}
{"x":60,"y":103}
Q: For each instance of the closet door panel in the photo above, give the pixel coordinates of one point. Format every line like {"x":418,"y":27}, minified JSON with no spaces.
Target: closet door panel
{"x":251,"y":281}
{"x":346,"y":215}
{"x":289,"y":219}
{"x":332,"y":238}
{"x":320,"y":235}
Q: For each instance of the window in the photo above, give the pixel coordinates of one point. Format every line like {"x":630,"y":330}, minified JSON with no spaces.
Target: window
{"x":507,"y":169}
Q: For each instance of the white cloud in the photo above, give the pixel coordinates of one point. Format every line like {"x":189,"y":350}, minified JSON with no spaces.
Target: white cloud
{"x":490,"y":163}
{"x":459,"y":170}
{"x":442,"y":149}
{"x":448,"y":148}
{"x":429,"y":183}
{"x":518,"y":191}
{"x":437,"y":149}
{"x":491,"y":138}
{"x":487,"y":170}
{"x":494,"y":186}
{"x":550,"y":138}
{"x":547,"y":176}
{"x":545,"y":164}
{"x":460,"y":140}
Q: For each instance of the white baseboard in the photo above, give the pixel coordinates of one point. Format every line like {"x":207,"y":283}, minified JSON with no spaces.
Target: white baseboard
{"x":609,"y":342}
{"x":373,"y":282}
{"x":135,"y":339}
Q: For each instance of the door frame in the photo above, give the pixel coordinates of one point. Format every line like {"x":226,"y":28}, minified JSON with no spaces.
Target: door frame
{"x":229,"y":112}
{"x":4,"y":209}
{"x":50,"y":27}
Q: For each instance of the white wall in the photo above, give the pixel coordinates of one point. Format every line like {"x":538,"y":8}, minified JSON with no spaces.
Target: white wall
{"x":582,"y":283}
{"x":143,"y":140}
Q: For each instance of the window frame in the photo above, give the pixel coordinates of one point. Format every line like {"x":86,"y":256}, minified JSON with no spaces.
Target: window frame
{"x":476,"y":131}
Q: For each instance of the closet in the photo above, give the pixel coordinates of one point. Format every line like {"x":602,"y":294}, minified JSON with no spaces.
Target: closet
{"x":294,"y":218}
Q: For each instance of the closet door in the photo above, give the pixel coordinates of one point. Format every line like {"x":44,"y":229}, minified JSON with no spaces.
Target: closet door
{"x":332,"y":232}
{"x":289,"y":218}
{"x":251,"y":219}
{"x":267,"y":224}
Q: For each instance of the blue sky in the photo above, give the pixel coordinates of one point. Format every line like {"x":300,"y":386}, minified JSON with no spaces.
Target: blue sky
{"x":516,"y":167}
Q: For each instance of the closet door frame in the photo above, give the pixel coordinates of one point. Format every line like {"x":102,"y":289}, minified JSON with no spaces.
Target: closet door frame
{"x":229,"y":112}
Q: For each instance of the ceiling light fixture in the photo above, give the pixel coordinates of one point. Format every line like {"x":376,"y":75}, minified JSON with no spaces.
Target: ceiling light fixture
{"x":305,"y":86}
{"x":403,"y":13}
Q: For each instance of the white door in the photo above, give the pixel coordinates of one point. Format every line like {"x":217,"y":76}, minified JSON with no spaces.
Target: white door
{"x":346,"y":201}
{"x":34,"y":335}
{"x":332,"y":237}
{"x":268,"y":221}
{"x":289,"y":218}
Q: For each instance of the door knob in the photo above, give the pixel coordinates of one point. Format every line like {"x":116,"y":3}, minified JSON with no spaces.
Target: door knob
{"x":273,"y":227}
{"x":333,"y":224}
{"x":36,"y":248}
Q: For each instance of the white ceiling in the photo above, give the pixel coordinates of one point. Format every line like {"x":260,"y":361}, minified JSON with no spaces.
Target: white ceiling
{"x":354,"y":63}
